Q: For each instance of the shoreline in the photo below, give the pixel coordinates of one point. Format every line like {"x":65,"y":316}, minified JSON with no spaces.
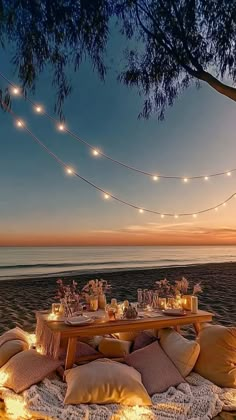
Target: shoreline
{"x":19,"y":298}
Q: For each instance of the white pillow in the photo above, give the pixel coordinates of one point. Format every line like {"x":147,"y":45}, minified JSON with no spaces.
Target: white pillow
{"x":183,"y":353}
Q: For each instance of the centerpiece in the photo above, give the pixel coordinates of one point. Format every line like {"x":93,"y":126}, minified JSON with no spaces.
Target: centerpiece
{"x":95,"y":293}
{"x":69,"y":299}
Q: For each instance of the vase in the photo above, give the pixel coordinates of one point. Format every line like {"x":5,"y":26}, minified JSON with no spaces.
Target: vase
{"x":93,"y":303}
{"x":102,"y":301}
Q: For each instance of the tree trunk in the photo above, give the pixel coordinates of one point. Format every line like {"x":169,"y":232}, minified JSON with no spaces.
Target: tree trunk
{"x":220,"y":87}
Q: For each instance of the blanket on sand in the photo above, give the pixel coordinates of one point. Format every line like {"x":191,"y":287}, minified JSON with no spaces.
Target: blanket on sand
{"x":197,"y":399}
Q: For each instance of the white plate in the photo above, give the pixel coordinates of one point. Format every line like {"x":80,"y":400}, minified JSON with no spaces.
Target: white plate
{"x":79,"y":320}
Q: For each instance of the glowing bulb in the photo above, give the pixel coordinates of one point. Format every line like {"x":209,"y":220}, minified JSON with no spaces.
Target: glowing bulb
{"x":140,"y":210}
{"x":3,"y":378}
{"x":216,"y":208}
{"x":176,"y":216}
{"x":155,"y":178}
{"x":38,"y":109}
{"x":31,"y":338}
{"x":15,"y":91}
{"x":95,"y":152}
{"x":106,"y":196}
{"x":194,"y":215}
{"x":19,"y":123}
{"x":206,"y":178}
{"x":61,"y":127}
{"x":69,"y":171}
{"x":224,"y":204}
{"x":185,"y":179}
{"x":162,"y":216}
{"x":229,"y":174}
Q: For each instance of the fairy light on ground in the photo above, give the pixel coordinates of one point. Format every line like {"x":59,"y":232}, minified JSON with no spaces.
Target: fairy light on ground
{"x":98,"y":188}
{"x":16,"y":407}
{"x":31,"y":339}
{"x":3,"y":378}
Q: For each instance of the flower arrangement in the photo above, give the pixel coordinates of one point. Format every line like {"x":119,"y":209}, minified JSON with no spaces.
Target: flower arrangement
{"x":181,"y":287}
{"x":96,"y":287}
{"x":69,"y":296}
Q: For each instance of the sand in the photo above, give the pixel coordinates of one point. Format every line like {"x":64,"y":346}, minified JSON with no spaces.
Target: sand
{"x":20,"y":298}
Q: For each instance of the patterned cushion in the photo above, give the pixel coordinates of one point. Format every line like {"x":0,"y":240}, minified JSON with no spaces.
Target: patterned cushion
{"x":182,"y":352}
{"x":105,"y":382}
{"x":157,"y":370}
{"x":27,"y":368}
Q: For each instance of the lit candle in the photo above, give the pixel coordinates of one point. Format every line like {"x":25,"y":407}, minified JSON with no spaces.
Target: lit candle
{"x":162,"y":303}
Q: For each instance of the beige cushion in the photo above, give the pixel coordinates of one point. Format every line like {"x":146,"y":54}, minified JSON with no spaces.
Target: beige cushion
{"x":111,"y":347}
{"x":104,"y":382}
{"x":27,"y":368}
{"x":14,"y":334}
{"x":182,"y":352}
{"x":10,"y":348}
{"x":217,"y":359}
{"x":157,"y":370}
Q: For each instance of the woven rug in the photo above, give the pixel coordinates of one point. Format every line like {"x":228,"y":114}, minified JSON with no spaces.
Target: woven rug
{"x":197,"y":399}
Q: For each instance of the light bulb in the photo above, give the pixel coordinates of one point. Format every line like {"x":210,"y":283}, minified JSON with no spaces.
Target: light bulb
{"x":229,"y":174}
{"x":176,"y":216}
{"x":206,"y":178}
{"x":38,"y":109}
{"x":162,"y":216}
{"x":216,"y":208}
{"x":140,"y":210}
{"x":15,"y":91}
{"x":185,"y":179}
{"x":19,"y":123}
{"x":95,"y":152}
{"x":224,"y":204}
{"x":194,"y":215}
{"x":106,"y":196}
{"x":61,"y":127}
{"x":155,"y":178}
{"x":69,"y":171}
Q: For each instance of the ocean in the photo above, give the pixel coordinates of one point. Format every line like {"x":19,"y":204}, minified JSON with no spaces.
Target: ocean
{"x":20,"y":262}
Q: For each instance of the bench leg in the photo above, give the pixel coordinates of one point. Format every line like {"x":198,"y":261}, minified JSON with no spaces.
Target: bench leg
{"x":71,"y":350}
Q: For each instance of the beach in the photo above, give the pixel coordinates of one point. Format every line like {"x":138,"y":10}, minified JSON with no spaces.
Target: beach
{"x":19,"y":299}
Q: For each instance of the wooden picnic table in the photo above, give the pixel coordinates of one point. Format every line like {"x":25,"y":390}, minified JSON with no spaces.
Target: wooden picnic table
{"x":103,"y":326}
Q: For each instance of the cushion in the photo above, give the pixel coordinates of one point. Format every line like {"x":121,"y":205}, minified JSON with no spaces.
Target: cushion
{"x":143,"y":340}
{"x":27,"y":368}
{"x":103,"y":382}
{"x":82,"y":350}
{"x":157,"y":370}
{"x":10,"y":348}
{"x":14,"y":334}
{"x":111,"y":347}
{"x":182,"y":352}
{"x":217,"y":359}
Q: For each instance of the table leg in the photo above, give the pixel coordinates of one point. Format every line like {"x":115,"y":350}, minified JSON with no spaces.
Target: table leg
{"x":197,"y":328}
{"x":71,"y":350}
{"x":177,"y":329}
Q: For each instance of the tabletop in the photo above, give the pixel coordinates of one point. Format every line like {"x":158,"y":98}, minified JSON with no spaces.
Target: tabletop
{"x":103,"y":326}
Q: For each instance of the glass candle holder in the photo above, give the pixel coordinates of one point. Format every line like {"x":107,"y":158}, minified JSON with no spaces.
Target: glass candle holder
{"x":56,"y":308}
{"x":162,"y":303}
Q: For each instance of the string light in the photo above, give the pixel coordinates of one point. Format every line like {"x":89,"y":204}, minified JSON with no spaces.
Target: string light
{"x":95,"y":152}
{"x":155,"y":178}
{"x":127,"y":203}
{"x":61,"y":127}
{"x":106,"y":196}
{"x":69,"y":171}
{"x":194,"y":216}
{"x":15,"y":90}
{"x":216,"y":208}
{"x":185,"y":180}
{"x":38,"y":109}
{"x":19,"y":123}
{"x":162,"y":216}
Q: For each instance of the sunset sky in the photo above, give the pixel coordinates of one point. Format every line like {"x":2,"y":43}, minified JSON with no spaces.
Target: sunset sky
{"x":41,"y":205}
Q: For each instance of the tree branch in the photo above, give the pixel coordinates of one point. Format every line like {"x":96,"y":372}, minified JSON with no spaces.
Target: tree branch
{"x":220,"y":87}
